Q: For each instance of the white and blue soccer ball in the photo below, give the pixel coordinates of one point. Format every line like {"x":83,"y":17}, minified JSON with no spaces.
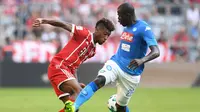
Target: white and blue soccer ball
{"x":111,"y":103}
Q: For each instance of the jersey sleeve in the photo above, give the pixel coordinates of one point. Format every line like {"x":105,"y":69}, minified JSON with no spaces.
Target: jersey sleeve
{"x":79,"y":32}
{"x":149,"y":36}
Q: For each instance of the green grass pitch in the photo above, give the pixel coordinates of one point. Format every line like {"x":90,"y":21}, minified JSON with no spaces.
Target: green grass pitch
{"x":143,"y":100}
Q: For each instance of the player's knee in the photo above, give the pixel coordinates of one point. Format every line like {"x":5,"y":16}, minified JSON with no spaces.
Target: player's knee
{"x":71,"y":86}
{"x":66,"y":88}
{"x":100,"y":81}
{"x":77,"y":89}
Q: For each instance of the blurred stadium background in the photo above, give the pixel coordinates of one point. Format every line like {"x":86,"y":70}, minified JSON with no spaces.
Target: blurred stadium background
{"x":169,"y":83}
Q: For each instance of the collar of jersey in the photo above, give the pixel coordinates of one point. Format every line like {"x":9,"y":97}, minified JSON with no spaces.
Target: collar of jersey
{"x":93,"y":39}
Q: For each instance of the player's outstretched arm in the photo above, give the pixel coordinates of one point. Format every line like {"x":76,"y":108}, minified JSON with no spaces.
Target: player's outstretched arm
{"x":53,"y":22}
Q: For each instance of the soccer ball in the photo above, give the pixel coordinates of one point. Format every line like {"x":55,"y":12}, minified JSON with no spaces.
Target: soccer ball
{"x":111,"y":103}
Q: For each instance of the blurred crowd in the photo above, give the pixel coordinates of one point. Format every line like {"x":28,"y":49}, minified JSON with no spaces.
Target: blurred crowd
{"x":175,"y":23}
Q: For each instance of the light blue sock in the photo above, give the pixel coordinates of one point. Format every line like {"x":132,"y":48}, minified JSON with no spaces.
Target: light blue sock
{"x":85,"y":94}
{"x":127,"y":109}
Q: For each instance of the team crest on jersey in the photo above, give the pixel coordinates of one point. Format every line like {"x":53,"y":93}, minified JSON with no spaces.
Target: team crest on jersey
{"x":108,"y":67}
{"x":127,"y":36}
{"x":134,"y":29}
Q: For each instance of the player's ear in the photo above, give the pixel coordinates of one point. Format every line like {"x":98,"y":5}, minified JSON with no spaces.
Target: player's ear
{"x":96,"y":28}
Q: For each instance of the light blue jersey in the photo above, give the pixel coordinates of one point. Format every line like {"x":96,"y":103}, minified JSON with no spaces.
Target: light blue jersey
{"x":134,"y":43}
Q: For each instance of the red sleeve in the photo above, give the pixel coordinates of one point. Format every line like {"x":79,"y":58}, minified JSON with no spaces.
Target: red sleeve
{"x":79,"y":32}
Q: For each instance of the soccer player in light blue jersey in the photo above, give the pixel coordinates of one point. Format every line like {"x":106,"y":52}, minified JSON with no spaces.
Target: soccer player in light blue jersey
{"x":126,"y":66}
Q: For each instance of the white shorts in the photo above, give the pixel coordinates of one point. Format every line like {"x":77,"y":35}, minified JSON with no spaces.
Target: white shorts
{"x":126,"y":84}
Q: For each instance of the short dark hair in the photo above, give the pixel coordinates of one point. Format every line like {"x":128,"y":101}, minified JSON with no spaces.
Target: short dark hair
{"x":127,"y":8}
{"x":107,"y":23}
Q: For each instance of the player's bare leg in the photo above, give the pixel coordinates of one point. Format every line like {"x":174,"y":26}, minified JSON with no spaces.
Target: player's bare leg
{"x":73,"y":88}
{"x":122,"y":108}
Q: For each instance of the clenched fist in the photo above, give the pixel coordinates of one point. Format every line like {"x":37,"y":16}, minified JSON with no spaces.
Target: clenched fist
{"x":38,"y":22}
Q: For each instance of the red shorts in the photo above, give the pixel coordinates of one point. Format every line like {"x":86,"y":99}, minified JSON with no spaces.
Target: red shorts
{"x":57,"y":76}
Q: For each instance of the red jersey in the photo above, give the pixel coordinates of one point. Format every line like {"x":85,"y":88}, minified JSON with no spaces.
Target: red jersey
{"x":79,"y":48}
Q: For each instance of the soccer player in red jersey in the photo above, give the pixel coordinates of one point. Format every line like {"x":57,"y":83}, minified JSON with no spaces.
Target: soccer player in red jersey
{"x":81,"y":47}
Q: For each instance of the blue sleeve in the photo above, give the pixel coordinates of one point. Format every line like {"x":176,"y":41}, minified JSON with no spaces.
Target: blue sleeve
{"x":149,"y":36}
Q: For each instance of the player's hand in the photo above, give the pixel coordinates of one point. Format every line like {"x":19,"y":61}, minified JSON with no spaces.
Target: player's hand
{"x":135,"y":63}
{"x":82,"y":85}
{"x":37,"y":22}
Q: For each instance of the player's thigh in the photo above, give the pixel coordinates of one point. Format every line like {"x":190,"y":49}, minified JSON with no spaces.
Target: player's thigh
{"x":126,"y":85}
{"x":59,"y":76}
{"x":109,"y":71}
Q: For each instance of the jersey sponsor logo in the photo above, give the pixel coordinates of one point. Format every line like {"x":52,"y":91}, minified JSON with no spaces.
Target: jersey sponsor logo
{"x":127,"y":36}
{"x":147,"y":28}
{"x":108,"y":67}
{"x":92,"y":52}
{"x":125,"y":47}
{"x":83,"y":51}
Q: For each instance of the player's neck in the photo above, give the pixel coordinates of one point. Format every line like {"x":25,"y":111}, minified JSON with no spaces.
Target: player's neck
{"x":132,"y":23}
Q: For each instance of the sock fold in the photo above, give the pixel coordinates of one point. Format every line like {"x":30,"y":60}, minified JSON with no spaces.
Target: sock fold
{"x":93,"y":86}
